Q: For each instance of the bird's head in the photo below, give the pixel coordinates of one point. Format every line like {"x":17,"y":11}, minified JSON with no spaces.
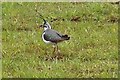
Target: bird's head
{"x":45,"y":25}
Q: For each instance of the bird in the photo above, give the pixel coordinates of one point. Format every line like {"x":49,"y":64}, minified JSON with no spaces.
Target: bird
{"x":51,"y":36}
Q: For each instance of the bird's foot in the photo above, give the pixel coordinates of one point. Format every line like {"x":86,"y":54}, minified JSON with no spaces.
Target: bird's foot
{"x":58,"y":55}
{"x":48,"y":58}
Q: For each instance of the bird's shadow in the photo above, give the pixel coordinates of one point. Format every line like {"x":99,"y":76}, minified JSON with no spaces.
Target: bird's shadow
{"x":53,"y":56}
{"x":58,"y":56}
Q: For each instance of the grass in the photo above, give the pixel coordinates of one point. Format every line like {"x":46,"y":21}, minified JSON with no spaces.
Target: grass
{"x":92,"y":51}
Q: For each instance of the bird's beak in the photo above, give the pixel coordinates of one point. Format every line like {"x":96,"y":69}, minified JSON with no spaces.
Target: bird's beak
{"x":41,"y":26}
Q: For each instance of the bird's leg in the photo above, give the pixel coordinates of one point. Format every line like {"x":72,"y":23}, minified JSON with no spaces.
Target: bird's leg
{"x":56,"y":52}
{"x":58,"y":55}
{"x":54,"y":47}
{"x":57,"y":49}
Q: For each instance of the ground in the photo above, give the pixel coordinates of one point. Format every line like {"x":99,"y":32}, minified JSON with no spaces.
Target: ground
{"x":91,"y":52}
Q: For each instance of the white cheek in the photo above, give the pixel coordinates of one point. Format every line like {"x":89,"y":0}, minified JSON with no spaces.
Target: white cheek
{"x":45,"y":28}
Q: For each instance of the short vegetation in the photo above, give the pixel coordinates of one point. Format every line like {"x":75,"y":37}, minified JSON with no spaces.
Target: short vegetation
{"x":91,"y":52}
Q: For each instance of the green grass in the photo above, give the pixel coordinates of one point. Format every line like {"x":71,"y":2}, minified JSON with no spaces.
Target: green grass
{"x":91,"y":52}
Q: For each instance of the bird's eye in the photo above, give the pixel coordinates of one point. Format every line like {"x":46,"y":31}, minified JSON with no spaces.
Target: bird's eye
{"x":45,"y":26}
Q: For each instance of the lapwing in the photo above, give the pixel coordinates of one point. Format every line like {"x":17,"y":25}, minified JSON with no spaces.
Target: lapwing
{"x":52,"y":36}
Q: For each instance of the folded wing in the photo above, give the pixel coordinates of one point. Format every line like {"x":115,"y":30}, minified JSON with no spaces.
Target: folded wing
{"x":54,"y":36}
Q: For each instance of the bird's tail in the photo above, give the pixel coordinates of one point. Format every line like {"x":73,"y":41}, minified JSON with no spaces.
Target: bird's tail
{"x":65,"y":37}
